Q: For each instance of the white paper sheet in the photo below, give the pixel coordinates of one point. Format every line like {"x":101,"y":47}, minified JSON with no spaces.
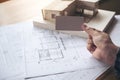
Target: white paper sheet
{"x":88,"y":74}
{"x":11,"y":40}
{"x":49,"y":52}
{"x":11,"y":52}
{"x":116,"y":31}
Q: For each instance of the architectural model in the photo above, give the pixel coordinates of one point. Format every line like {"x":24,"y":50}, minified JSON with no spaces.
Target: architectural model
{"x":88,"y":9}
{"x":85,"y":8}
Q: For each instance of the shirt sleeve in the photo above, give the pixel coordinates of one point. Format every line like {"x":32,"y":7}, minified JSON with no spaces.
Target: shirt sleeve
{"x":117,"y":64}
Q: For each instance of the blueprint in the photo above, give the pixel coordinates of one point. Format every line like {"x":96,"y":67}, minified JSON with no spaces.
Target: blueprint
{"x":45,"y":48}
{"x":11,"y":52}
{"x":88,"y":74}
{"x":49,"y":52}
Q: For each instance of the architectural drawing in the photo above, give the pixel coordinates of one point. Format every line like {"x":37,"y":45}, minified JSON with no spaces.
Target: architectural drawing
{"x":49,"y":52}
{"x":11,"y":52}
{"x":46,"y":54}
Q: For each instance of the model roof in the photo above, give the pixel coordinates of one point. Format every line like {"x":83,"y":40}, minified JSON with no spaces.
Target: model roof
{"x":58,"y":5}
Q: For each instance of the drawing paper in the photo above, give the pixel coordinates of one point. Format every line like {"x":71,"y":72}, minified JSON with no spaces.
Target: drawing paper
{"x":50,"y":52}
{"x":12,"y":64}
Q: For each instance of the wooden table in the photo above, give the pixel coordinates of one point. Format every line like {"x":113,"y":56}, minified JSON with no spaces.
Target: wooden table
{"x":13,"y":11}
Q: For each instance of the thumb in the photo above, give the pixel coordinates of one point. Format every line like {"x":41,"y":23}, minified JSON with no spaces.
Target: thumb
{"x":90,"y":31}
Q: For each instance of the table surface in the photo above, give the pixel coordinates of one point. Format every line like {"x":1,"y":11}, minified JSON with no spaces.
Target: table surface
{"x":13,"y":11}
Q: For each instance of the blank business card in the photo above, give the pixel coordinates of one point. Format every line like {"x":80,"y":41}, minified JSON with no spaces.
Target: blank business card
{"x":72,"y":23}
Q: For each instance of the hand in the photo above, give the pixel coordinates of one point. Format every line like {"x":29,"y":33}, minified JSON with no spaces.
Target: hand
{"x":100,"y":45}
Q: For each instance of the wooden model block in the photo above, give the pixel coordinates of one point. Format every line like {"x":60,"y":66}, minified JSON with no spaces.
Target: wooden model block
{"x":71,"y":8}
{"x":87,"y":8}
{"x":89,"y":14}
{"x":58,"y":8}
{"x":87,"y":4}
{"x":101,"y":22}
{"x":68,"y":23}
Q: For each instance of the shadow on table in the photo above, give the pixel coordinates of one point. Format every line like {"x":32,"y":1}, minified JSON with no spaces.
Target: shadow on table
{"x":1,"y":1}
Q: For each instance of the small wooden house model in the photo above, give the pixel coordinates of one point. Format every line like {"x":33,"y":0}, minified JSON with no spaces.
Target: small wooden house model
{"x":59,"y":8}
{"x":85,"y":8}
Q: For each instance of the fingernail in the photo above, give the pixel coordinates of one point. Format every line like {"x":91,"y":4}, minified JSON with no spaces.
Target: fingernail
{"x":87,"y":27}
{"x":83,"y":27}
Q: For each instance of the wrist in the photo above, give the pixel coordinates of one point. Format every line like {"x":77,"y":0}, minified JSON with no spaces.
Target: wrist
{"x":111,"y":52}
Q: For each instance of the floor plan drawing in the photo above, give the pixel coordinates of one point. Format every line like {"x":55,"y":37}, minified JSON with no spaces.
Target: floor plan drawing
{"x":50,"y":52}
{"x":11,"y":52}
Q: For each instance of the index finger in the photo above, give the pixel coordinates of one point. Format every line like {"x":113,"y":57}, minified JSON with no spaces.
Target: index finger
{"x":91,"y":31}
